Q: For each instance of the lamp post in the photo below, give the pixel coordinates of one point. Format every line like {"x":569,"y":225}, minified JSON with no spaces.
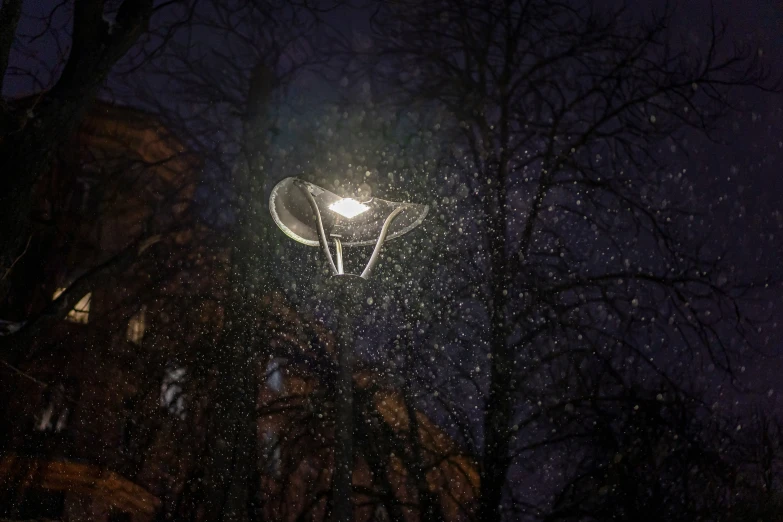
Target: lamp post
{"x":316,"y":217}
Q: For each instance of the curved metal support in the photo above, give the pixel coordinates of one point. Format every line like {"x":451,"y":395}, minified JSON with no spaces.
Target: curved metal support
{"x":381,"y":238}
{"x":321,"y":233}
{"x":338,"y":250}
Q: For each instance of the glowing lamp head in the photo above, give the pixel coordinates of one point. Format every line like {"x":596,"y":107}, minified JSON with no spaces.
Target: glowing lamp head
{"x":356,"y":222}
{"x":348,"y":208}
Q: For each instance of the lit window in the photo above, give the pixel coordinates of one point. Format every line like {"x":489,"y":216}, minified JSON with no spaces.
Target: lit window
{"x":271,"y":453}
{"x":172,"y":397}
{"x":55,"y":412}
{"x":137,"y":325}
{"x":44,"y":420}
{"x":274,"y":376}
{"x":80,"y":312}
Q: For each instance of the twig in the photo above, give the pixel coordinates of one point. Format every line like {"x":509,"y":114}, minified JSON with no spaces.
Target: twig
{"x":18,"y":258}
{"x":25,"y":375}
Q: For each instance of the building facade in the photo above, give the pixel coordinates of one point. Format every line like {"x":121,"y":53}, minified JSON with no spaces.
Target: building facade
{"x":105,"y":418}
{"x":67,"y":447}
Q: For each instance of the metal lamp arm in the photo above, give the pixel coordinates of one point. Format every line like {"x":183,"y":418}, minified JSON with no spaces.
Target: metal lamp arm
{"x":321,"y":233}
{"x":379,"y":244}
{"x":338,"y":269}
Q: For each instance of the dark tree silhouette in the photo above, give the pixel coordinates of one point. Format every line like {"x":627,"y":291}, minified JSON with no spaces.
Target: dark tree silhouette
{"x":225,"y":79}
{"x":80,"y":54}
{"x":584,"y":232}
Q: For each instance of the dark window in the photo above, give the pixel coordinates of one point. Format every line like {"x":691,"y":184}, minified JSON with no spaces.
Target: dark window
{"x":381,"y":515}
{"x":81,"y":196}
{"x":41,"y":503}
{"x":119,"y":516}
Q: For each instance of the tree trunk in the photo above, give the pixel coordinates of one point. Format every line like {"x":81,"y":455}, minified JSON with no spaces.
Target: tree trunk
{"x":234,"y":441}
{"x":29,"y":145}
{"x":498,"y":408}
{"x":232,"y":452}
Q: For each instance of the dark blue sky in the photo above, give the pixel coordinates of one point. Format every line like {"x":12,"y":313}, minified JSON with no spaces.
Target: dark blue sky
{"x":747,"y":169}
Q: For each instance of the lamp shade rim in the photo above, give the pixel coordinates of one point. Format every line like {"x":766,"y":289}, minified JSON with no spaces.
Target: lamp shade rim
{"x":279,"y":222}
{"x":279,"y":191}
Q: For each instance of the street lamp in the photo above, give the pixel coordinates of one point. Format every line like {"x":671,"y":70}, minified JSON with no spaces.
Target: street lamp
{"x":315,"y":216}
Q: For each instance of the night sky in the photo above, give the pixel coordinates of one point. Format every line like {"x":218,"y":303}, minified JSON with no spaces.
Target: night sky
{"x":747,"y":169}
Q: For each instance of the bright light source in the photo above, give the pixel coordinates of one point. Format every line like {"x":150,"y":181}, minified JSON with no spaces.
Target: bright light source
{"x":348,"y":207}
